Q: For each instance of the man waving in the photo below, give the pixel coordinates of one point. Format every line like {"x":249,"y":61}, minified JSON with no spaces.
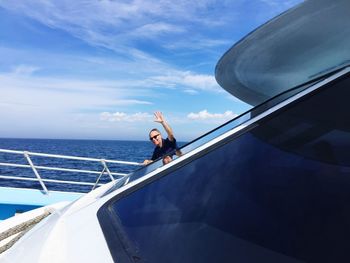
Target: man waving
{"x":164,"y":148}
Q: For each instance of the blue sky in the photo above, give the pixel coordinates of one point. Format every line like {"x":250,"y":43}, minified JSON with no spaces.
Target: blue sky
{"x":98,"y":69}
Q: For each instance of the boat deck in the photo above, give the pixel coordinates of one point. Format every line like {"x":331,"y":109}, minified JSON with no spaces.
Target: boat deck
{"x":18,"y":200}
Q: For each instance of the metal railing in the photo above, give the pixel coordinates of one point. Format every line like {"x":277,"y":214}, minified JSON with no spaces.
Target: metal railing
{"x":35,"y":168}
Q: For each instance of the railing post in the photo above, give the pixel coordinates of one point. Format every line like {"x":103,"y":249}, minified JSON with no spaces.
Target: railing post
{"x":98,"y":178}
{"x":106,"y":167}
{"x":36,"y":172}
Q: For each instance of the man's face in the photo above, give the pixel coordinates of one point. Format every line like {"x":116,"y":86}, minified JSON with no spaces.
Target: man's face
{"x":155,"y":137}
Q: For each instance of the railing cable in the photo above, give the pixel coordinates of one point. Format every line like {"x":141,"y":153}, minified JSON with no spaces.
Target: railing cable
{"x":42,"y":181}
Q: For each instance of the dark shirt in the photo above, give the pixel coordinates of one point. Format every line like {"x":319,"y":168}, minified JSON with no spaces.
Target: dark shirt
{"x":168,"y":148}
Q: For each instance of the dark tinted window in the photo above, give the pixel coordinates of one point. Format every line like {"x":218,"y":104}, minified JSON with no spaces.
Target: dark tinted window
{"x":278,"y":193}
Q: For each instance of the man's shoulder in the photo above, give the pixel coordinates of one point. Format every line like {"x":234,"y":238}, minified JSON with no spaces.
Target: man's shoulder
{"x":170,"y":144}
{"x":170,"y":141}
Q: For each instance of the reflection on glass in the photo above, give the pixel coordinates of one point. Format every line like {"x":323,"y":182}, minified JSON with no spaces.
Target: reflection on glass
{"x":277,"y":193}
{"x":224,"y":128}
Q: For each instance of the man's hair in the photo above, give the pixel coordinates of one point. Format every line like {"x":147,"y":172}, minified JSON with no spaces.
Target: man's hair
{"x":155,"y":129}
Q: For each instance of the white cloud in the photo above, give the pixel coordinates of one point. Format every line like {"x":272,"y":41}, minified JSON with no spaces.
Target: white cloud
{"x":132,"y":102}
{"x":191,"y":91}
{"x":116,"y":24}
{"x":199,"y":81}
{"x":119,"y":25}
{"x":67,"y":95}
{"x":154,"y":29}
{"x":125,"y":117}
{"x":187,"y":79}
{"x":204,"y":115}
{"x":24,"y":70}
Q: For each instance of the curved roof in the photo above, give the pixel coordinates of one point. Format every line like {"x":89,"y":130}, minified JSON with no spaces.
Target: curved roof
{"x":297,"y":46}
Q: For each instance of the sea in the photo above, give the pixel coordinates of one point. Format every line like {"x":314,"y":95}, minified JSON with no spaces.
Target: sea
{"x":133,"y":151}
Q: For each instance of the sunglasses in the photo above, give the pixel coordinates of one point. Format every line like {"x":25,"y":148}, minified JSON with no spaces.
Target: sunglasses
{"x":154,"y":137}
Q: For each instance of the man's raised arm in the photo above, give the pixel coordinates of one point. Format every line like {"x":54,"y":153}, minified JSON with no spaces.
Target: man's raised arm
{"x":160,"y":118}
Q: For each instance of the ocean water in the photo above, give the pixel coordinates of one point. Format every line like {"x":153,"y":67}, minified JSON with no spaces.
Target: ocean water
{"x":134,"y":151}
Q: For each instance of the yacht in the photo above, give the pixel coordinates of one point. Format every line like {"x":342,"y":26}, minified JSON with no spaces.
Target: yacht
{"x":271,"y":185}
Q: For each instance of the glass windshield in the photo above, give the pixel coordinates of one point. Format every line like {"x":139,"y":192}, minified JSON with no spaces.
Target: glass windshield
{"x":277,"y":193}
{"x":218,"y":131}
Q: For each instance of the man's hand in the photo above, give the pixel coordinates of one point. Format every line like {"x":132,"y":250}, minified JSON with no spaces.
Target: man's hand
{"x":145,"y":162}
{"x":159,"y":117}
{"x":167,"y":128}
